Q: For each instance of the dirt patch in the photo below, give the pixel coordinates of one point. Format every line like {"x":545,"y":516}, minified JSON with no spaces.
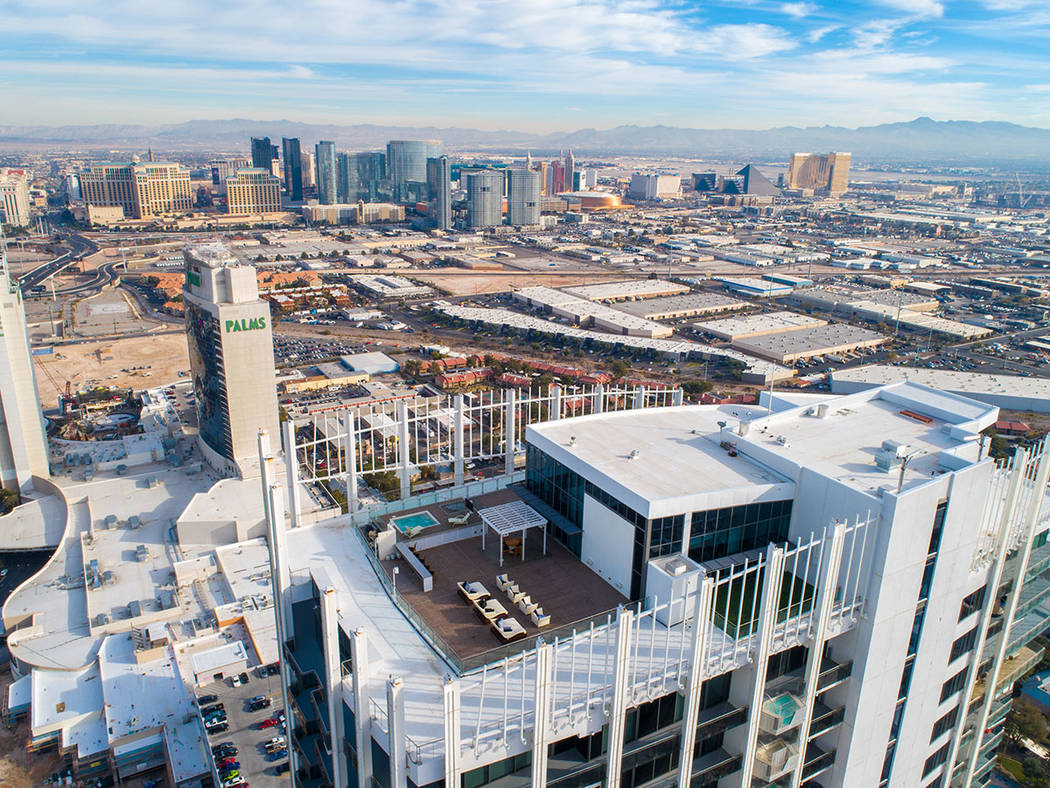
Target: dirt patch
{"x":103,"y":363}
{"x":17,"y":770}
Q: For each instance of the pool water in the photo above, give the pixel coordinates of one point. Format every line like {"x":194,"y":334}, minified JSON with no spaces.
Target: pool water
{"x":417,"y":520}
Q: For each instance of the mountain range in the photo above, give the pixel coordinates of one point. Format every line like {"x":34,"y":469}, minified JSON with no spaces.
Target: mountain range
{"x":920,"y":141}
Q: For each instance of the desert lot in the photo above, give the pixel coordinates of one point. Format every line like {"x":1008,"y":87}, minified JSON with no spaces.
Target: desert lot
{"x":161,"y":358}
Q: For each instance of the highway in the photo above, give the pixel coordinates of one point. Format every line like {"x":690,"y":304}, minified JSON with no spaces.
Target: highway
{"x":81,"y":247}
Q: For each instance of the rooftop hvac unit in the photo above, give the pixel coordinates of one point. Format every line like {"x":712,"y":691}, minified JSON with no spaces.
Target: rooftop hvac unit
{"x":887,"y":460}
{"x":899,"y":448}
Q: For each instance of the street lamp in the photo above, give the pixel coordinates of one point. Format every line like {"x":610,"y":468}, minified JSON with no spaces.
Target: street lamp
{"x":394,"y":574}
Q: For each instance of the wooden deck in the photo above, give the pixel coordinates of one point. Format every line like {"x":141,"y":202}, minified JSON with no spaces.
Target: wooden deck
{"x":563,"y":586}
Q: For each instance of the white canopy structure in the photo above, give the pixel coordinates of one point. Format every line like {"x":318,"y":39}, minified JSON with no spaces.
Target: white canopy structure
{"x":516,"y":517}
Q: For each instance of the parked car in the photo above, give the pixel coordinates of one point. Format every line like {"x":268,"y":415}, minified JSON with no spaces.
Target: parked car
{"x":236,"y":681}
{"x":267,"y":723}
{"x":276,"y":755}
{"x":209,"y":709}
{"x":243,"y":677}
{"x":281,"y":768}
{"x":224,"y":750}
{"x":203,"y":700}
{"x":230,"y":763}
{"x":219,"y":727}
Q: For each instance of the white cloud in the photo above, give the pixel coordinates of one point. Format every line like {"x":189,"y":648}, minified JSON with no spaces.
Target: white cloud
{"x":813,"y":36}
{"x":917,"y":7}
{"x":798,"y":10}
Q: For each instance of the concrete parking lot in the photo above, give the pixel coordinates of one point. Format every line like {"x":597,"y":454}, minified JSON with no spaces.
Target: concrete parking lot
{"x":244,"y":732}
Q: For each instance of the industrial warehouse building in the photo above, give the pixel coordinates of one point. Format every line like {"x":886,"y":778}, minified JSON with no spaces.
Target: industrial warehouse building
{"x":787,"y":347}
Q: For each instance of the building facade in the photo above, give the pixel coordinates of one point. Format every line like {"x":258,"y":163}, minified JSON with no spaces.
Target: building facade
{"x":253,"y":191}
{"x":327,"y":190}
{"x":264,"y":154}
{"x":144,"y":189}
{"x":484,"y":198}
{"x":821,"y":172}
{"x":654,"y":187}
{"x":293,"y":168}
{"x":439,"y":191}
{"x":523,"y":197}
{"x":795,"y":611}
{"x":221,"y":169}
{"x":23,"y":442}
{"x":231,"y":357}
{"x":14,"y":197}
{"x":406,"y":163}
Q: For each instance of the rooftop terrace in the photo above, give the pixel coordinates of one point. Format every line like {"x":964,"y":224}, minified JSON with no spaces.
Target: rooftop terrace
{"x":563,"y":587}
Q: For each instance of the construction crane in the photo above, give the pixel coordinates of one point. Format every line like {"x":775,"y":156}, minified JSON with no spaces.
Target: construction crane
{"x":1021,"y":201}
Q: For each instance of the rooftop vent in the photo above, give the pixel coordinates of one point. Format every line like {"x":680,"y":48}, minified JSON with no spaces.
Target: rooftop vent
{"x":633,"y":455}
{"x":572,"y":440}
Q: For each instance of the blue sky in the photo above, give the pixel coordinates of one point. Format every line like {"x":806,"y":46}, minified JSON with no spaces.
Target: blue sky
{"x":536,"y":65}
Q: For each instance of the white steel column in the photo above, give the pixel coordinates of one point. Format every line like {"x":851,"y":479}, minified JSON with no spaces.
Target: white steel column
{"x":273,"y":506}
{"x":639,"y":397}
{"x":291,"y":470}
{"x":1031,"y":517}
{"x":457,"y":444}
{"x":555,"y":413}
{"x":452,"y":732}
{"x":541,"y":715}
{"x":350,"y":459}
{"x":990,"y":598}
{"x":403,"y":454}
{"x":334,"y":690}
{"x":818,"y":631}
{"x":510,"y":431}
{"x":362,"y":712}
{"x":678,"y":396}
{"x":395,"y":715}
{"x":618,"y":709}
{"x":774,"y":571}
{"x":705,"y":596}
{"x":599,"y":398}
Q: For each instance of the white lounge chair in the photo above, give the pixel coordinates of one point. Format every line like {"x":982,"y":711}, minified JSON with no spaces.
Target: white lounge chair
{"x":502,"y":581}
{"x":459,"y":520}
{"x":472,"y":590}
{"x":539,"y":618}
{"x":517,"y":596}
{"x":526,"y":605}
{"x":508,"y":629}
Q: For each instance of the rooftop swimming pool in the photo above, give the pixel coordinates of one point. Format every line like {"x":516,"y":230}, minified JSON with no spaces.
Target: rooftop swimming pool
{"x":406,"y":522}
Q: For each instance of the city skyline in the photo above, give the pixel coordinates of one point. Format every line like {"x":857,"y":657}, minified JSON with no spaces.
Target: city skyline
{"x":744,"y":65}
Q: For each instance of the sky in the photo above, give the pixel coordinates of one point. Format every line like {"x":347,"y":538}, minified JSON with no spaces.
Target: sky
{"x":529,"y":65}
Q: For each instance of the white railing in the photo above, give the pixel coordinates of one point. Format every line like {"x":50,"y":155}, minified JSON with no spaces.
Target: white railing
{"x":428,"y":424}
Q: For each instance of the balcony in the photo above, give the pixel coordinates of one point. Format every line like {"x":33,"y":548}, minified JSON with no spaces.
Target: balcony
{"x":1035,"y":591}
{"x":719,"y":718}
{"x":831,"y":674}
{"x":817,"y":762}
{"x":774,"y":759}
{"x":825,"y":718}
{"x":714,"y":766}
{"x":1012,"y":669}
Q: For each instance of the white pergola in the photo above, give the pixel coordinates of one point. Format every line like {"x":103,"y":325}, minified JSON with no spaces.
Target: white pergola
{"x":516,"y":517}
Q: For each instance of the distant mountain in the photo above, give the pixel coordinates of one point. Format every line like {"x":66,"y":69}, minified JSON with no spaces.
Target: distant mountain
{"x":919,"y":141}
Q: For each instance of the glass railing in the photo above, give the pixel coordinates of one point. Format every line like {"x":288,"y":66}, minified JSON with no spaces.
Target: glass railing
{"x":714,"y":766}
{"x":834,"y":675}
{"x":719,"y":718}
{"x":820,"y":762}
{"x":463,"y":665}
{"x":826,"y":721}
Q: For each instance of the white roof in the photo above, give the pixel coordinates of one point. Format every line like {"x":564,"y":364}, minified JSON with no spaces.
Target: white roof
{"x":511,"y":518}
{"x":753,"y":325}
{"x":635,"y":288}
{"x":965,"y":383}
{"x":205,"y":662}
{"x":679,"y":465}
